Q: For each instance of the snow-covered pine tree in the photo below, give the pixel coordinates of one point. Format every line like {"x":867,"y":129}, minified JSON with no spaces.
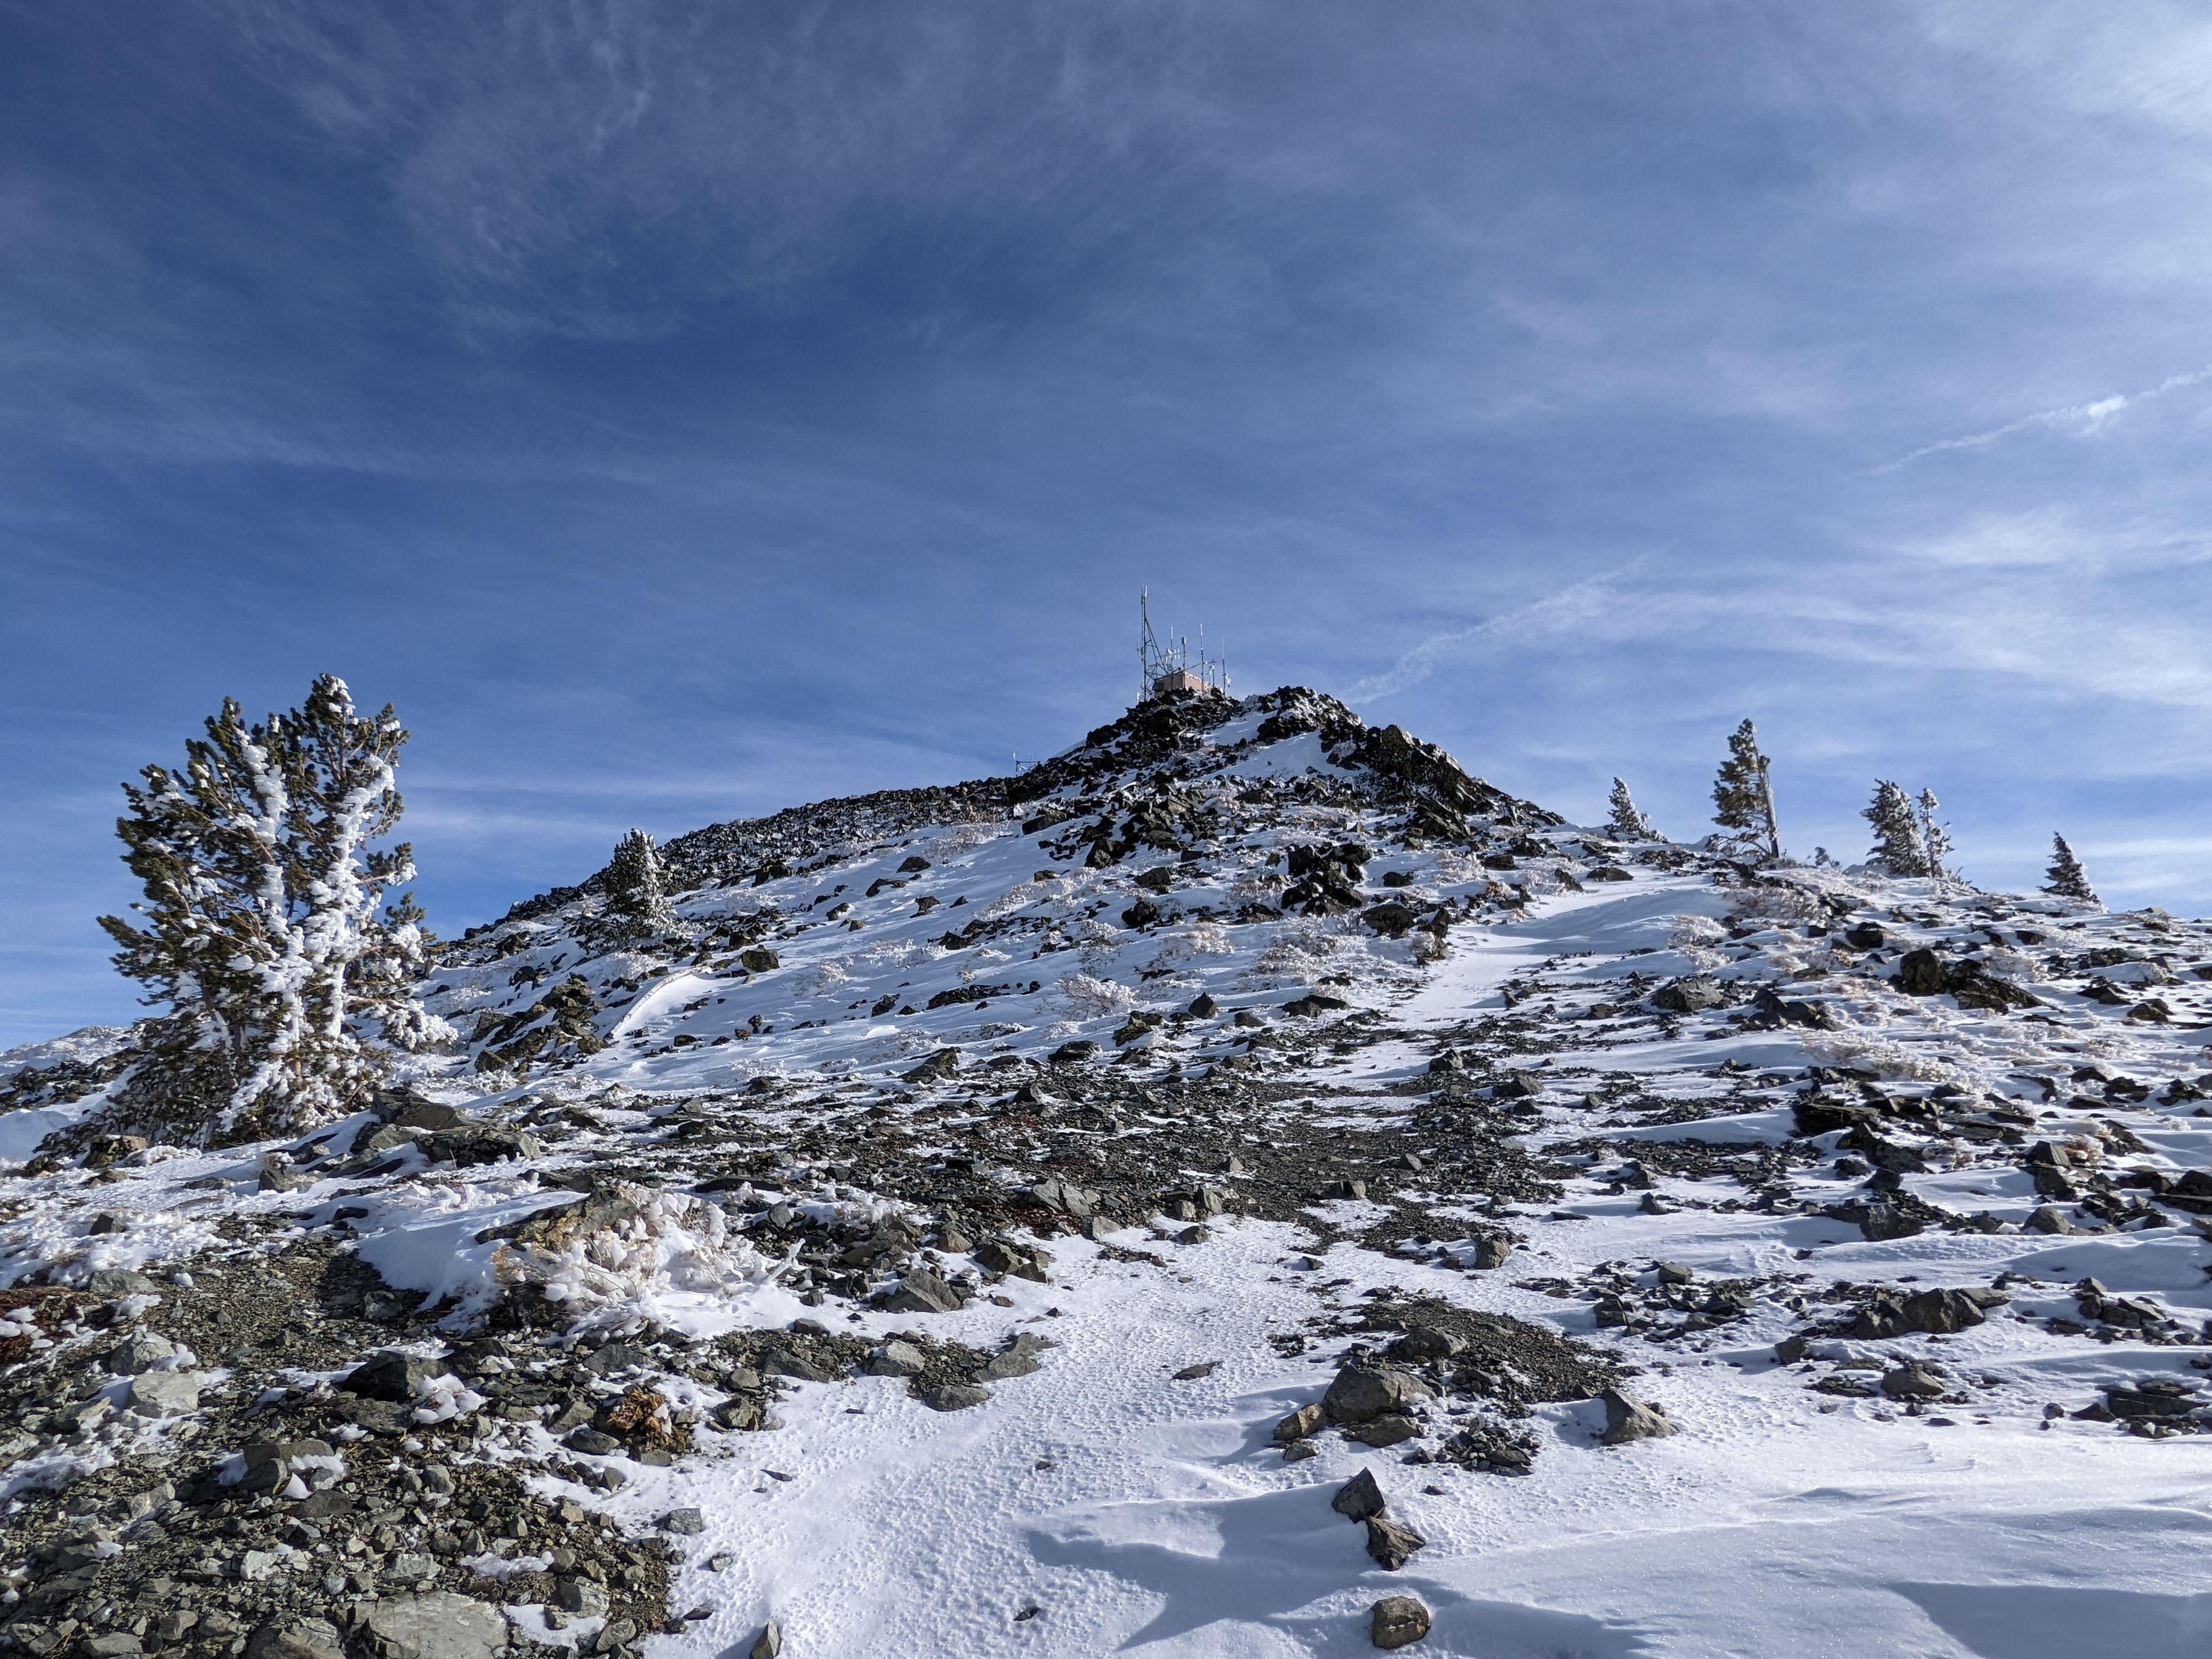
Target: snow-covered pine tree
{"x":261,"y":929}
{"x":637,"y":888}
{"x":1899,"y":845}
{"x":1934,"y":835}
{"x":1627,"y":823}
{"x":2068,"y":880}
{"x":1743,"y":794}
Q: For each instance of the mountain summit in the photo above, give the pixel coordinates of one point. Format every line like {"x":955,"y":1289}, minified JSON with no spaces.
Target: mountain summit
{"x":1245,"y":1185}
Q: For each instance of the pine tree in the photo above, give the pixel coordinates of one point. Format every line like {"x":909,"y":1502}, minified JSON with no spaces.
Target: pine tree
{"x":637,"y":888}
{"x":1900,"y":844}
{"x":1627,"y":823}
{"x":1743,"y":794}
{"x":261,"y":928}
{"x":1934,"y":836}
{"x":2068,"y":879}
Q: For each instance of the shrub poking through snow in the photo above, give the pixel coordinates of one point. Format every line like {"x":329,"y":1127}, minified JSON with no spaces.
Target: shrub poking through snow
{"x":1095,"y":999}
{"x":617,"y":1261}
{"x":260,"y":925}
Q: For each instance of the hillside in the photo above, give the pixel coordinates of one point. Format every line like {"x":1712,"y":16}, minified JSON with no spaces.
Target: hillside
{"x":1244,"y":1169}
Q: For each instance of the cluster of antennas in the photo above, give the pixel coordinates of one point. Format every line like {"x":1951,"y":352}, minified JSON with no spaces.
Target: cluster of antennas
{"x":1173,"y":666}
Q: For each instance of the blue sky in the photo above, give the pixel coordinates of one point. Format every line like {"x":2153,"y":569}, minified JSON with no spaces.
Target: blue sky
{"x":681,"y":412}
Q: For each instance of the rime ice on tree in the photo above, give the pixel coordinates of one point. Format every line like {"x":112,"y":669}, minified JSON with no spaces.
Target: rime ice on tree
{"x":262,"y":930}
{"x":2066,"y":878}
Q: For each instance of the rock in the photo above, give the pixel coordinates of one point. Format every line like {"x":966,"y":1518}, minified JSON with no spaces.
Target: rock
{"x":781,"y":1362}
{"x":437,"y":1626}
{"x":2048,"y":1219}
{"x":768,"y":1643}
{"x":1397,"y":1621}
{"x":111,"y":1645}
{"x":684,"y":1522}
{"x":1423,"y":1344}
{"x":1204,"y":1367}
{"x":1393,"y":918}
{"x":1140,"y":1024}
{"x":478,"y":1144}
{"x":897,"y":1358}
{"x":1920,"y":974}
{"x":1912,"y":1382}
{"x":140,"y":1352}
{"x":1018,"y":1358}
{"x":1392,"y":1543}
{"x":1518,"y":1086}
{"x":1203,"y":1006}
{"x":1362,"y":1393}
{"x":1491,"y":1250}
{"x":113,"y":1284}
{"x":1628,"y":1418}
{"x":296,"y":1638}
{"x":1391,"y":1429}
{"x":1889,"y":1313}
{"x":393,"y":1375}
{"x":954,"y":1396}
{"x":1307,"y":1419}
{"x":164,"y":1393}
{"x":1143,"y":914}
{"x":759,"y":960}
{"x":592,"y":1442}
{"x":1866,"y":936}
{"x":944,"y":1063}
{"x":1069,"y":1054}
{"x":582,"y":1596}
{"x":923,"y":1291}
{"x":1689,"y":995}
{"x":1358,"y":1498}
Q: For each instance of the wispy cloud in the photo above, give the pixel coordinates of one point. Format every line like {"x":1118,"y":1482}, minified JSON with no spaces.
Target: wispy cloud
{"x":1569,"y":609}
{"x":2077,"y":417}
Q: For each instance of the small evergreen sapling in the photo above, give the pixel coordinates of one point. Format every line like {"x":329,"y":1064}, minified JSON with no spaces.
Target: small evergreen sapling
{"x":1900,"y":845}
{"x":637,"y":888}
{"x":1743,"y":794}
{"x":261,"y":929}
{"x":2068,"y":880}
{"x":1627,"y":823}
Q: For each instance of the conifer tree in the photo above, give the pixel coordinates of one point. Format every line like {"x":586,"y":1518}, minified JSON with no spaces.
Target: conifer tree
{"x":2068,"y":880}
{"x":637,"y":888}
{"x":1627,"y":823}
{"x":261,"y":929}
{"x":1899,"y":843}
{"x":1743,"y":794}
{"x":1934,"y":835}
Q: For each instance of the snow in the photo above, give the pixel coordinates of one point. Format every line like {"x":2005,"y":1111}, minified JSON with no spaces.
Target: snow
{"x":1124,"y":1511}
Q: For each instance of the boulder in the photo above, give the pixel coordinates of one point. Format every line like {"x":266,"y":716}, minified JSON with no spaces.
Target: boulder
{"x":1628,"y":1418}
{"x":164,"y":1393}
{"x":923,"y":1291}
{"x":1359,"y":1497}
{"x":1921,"y":974}
{"x":1689,"y":995}
{"x":296,"y":1638}
{"x":393,"y":1375}
{"x":1397,"y":1621}
{"x":1392,"y":1543}
{"x":1362,"y":1393}
{"x":437,"y":1626}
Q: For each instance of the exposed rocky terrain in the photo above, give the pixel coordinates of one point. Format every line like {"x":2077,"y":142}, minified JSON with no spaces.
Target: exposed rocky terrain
{"x":1244,"y":1186}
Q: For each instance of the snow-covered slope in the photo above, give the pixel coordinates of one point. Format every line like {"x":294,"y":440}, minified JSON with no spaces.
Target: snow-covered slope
{"x":1001,"y":1219}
